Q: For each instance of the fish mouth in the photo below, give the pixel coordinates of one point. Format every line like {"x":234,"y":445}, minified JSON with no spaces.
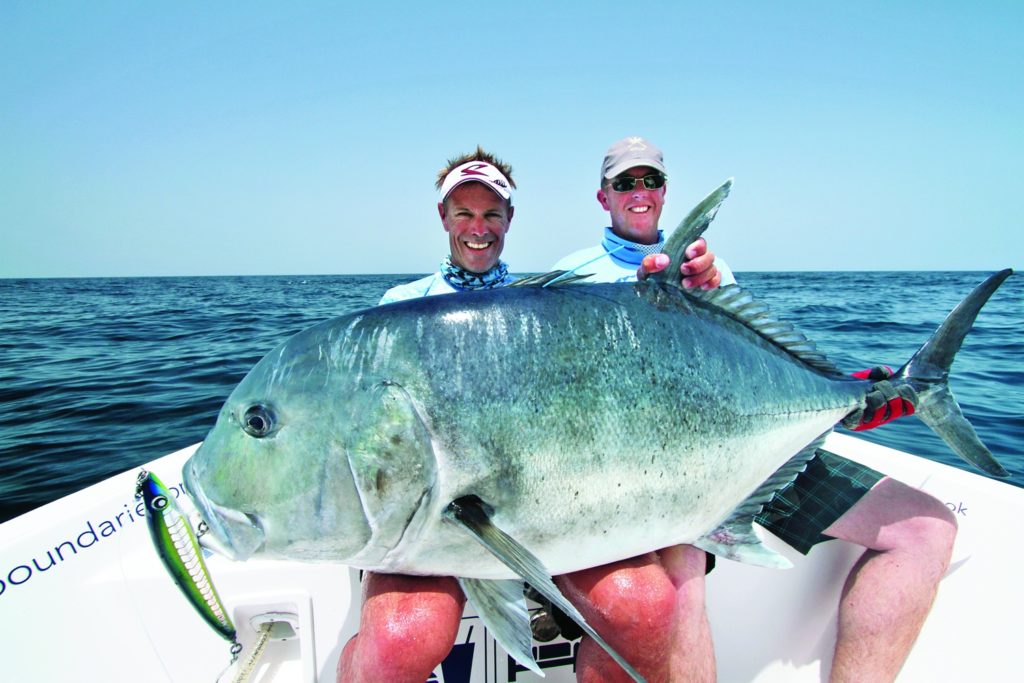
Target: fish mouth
{"x":235,"y":534}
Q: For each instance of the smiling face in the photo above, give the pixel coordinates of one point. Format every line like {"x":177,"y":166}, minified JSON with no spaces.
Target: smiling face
{"x":476,"y":220}
{"x":634,"y":214}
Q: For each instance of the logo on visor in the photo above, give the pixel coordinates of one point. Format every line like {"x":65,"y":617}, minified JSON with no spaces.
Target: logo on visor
{"x":474,"y":169}
{"x":499,"y":181}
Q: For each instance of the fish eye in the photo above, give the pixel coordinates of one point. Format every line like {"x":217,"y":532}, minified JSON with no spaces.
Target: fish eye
{"x":159,"y":503}
{"x":258,"y":421}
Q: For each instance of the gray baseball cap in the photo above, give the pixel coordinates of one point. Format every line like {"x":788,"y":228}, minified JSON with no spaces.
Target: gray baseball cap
{"x":629,"y":153}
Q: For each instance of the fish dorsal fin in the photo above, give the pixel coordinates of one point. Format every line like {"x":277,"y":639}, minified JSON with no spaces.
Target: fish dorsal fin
{"x":692,"y":227}
{"x":554,"y":277}
{"x":735,"y":538}
{"x":742,"y":306}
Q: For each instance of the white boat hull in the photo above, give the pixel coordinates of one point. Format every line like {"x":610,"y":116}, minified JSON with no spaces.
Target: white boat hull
{"x":84,"y":597}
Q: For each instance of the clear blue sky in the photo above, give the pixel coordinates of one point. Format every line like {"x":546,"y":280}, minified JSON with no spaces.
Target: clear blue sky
{"x":259,"y":138}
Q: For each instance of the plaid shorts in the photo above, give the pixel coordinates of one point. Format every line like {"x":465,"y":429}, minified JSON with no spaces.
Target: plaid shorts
{"x":821,"y":494}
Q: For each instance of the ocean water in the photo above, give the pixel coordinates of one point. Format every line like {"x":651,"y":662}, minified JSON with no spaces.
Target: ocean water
{"x":100,"y":375}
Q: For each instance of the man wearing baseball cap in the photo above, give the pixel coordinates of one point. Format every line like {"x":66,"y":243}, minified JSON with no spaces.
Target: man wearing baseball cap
{"x":649,"y":608}
{"x":632,"y":191}
{"x":907,"y":534}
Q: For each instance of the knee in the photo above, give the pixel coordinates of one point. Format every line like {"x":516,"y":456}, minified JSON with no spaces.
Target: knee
{"x":404,"y":646}
{"x":935,"y":521}
{"x":896,"y":517}
{"x":425,"y":628}
{"x":942,"y":531}
{"x":930,"y":531}
{"x":636,"y":599}
{"x":407,"y":633}
{"x":413,"y":645}
{"x":632,"y":605}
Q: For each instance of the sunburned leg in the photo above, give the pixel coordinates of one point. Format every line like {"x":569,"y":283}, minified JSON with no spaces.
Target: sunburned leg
{"x":407,"y":626}
{"x":632,"y":605}
{"x":909,"y":536}
{"x":693,"y":654}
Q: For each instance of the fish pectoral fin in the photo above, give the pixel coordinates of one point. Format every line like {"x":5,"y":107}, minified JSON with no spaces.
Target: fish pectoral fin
{"x":473,"y":515}
{"x":502,"y":608}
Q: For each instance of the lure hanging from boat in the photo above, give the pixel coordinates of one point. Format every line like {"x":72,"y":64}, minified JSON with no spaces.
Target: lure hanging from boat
{"x":179,"y":550}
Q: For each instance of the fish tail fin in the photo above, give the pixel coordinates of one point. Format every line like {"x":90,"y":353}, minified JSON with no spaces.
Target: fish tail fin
{"x":927,"y":372}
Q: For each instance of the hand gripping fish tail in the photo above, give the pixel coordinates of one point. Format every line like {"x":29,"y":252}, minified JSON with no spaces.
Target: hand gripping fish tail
{"x":925,"y":377}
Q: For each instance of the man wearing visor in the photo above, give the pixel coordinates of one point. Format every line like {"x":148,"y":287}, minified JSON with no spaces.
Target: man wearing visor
{"x":476,"y":210}
{"x":408,"y":624}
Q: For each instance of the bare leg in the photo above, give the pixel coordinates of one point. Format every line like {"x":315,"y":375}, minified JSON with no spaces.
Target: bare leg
{"x":693,"y":653}
{"x":407,"y":626}
{"x":631,"y":603}
{"x":909,"y":536}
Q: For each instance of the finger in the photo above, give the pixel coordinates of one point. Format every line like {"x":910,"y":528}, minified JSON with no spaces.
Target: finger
{"x":707,"y":279}
{"x":713,"y":283}
{"x":698,"y":248}
{"x":698,"y":265}
{"x":652,"y":263}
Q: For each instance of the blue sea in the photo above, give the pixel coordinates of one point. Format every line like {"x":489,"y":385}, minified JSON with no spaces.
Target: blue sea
{"x":100,"y":375}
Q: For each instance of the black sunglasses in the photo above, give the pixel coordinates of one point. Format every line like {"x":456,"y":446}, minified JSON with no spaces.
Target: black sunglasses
{"x":625,"y":183}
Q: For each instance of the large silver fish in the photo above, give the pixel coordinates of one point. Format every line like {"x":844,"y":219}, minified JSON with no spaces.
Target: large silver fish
{"x":531,"y":431}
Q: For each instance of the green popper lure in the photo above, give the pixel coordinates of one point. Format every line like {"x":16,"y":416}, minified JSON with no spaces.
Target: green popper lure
{"x":178,"y":548}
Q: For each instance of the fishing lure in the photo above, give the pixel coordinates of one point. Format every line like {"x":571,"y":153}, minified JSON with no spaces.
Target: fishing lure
{"x":178,"y":548}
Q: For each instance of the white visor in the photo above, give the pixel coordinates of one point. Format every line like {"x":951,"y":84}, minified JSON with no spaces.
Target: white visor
{"x":477,"y":172}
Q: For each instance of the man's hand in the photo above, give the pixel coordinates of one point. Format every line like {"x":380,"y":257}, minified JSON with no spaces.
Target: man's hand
{"x":697,"y":271}
{"x":884,"y":403}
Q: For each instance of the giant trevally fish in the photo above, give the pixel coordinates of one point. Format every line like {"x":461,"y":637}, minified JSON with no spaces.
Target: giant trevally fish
{"x":535,"y":430}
